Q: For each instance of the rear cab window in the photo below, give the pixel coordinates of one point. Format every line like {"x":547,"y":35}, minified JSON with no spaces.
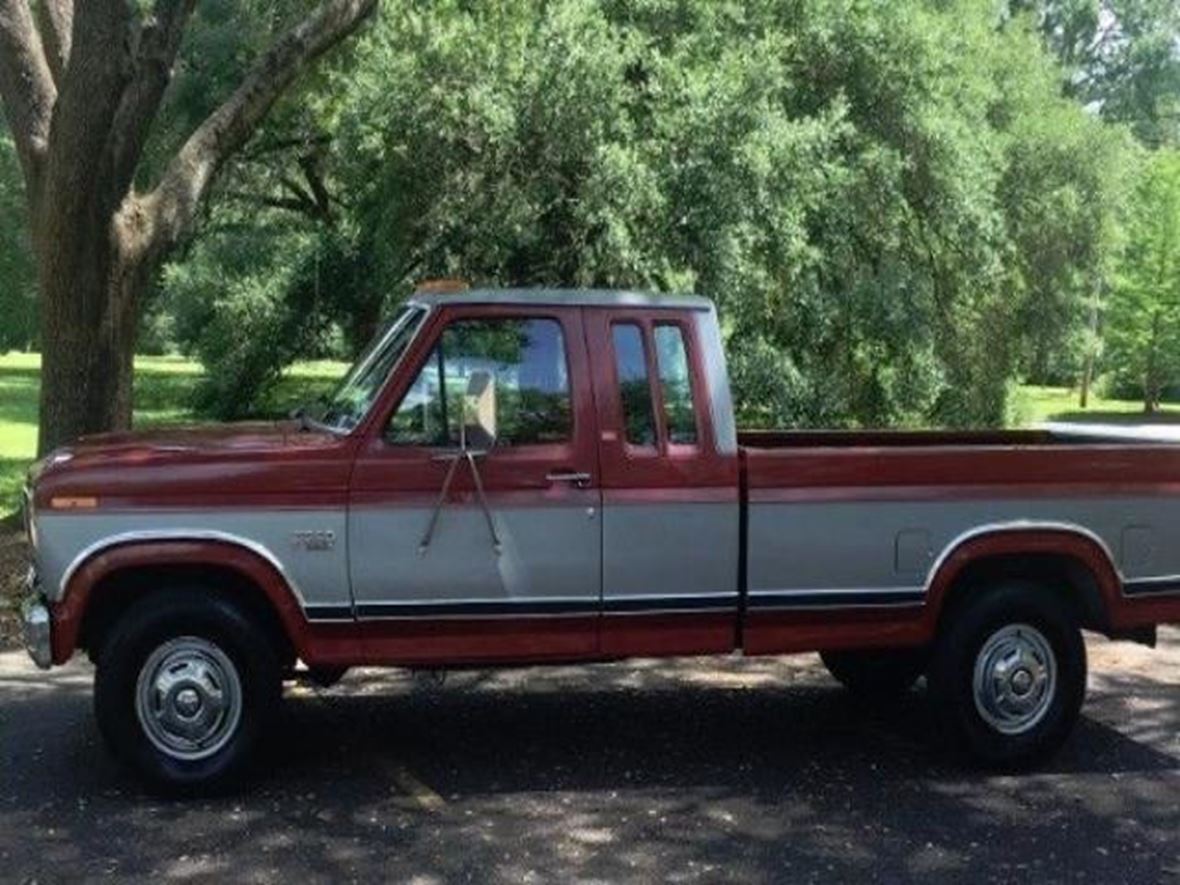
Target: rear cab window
{"x":676,"y":391}
{"x":639,"y":417}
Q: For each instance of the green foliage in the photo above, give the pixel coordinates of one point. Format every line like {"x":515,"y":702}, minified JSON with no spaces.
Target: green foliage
{"x":247,"y":302}
{"x":1143,"y":320}
{"x":893,"y":203}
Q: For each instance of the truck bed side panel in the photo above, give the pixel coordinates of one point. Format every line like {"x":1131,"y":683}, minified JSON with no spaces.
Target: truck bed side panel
{"x":844,"y":546}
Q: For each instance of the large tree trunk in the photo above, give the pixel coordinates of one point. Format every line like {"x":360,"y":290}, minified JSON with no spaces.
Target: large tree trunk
{"x":89,"y":300}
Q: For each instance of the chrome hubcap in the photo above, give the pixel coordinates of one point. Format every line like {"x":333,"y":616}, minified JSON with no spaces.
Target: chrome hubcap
{"x":1015,"y":678}
{"x":188,"y":698}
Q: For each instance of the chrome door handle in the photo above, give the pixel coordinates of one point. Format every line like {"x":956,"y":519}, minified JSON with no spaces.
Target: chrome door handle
{"x":581,"y":480}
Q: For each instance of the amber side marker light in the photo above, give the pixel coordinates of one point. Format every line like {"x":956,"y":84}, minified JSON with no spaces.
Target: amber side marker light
{"x":73,"y":503}
{"x":443,"y":286}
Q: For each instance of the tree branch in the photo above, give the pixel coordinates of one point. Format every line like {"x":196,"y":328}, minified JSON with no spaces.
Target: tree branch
{"x":56,"y":21}
{"x":152,"y":60}
{"x":309,"y":164}
{"x":26,"y":86}
{"x":259,"y":151}
{"x":172,"y":206}
{"x":290,"y":204}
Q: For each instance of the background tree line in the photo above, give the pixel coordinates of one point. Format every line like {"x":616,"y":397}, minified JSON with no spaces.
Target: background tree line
{"x":900,"y":207}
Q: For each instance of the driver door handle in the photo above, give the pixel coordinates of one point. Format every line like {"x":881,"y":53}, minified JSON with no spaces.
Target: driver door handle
{"x":581,"y":480}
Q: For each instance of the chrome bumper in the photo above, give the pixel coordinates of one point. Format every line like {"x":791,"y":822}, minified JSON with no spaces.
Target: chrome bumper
{"x":38,"y":627}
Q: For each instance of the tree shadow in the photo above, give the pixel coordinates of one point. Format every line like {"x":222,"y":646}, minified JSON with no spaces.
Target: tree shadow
{"x":1088,"y":416}
{"x":697,"y":770}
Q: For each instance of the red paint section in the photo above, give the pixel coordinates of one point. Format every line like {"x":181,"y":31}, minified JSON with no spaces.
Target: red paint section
{"x":664,"y":469}
{"x":788,"y":632}
{"x":454,"y":642}
{"x":947,"y":471}
{"x":666,"y":634}
{"x":259,"y":466}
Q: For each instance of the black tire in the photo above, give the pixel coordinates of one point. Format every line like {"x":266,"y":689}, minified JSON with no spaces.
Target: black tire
{"x":1034,"y":617}
{"x":163,"y":621}
{"x":880,"y":673}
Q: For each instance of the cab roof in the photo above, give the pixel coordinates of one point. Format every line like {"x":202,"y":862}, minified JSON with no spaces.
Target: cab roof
{"x":565,"y":298}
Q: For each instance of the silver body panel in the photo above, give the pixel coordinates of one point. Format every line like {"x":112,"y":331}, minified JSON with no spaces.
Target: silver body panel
{"x":678,"y":552}
{"x":318,"y":577}
{"x":548,"y":553}
{"x":807,"y":547}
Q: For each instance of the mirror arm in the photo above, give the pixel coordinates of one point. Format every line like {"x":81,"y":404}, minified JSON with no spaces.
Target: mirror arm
{"x":468,"y":455}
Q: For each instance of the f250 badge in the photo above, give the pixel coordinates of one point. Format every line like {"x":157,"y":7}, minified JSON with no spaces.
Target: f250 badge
{"x":313,"y":539}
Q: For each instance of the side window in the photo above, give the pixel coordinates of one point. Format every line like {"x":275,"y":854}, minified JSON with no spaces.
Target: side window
{"x":675,"y":385}
{"x":526,"y":360}
{"x":639,"y":420}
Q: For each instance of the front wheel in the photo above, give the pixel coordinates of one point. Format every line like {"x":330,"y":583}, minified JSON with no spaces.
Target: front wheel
{"x":184,"y":688}
{"x":1008,"y":675}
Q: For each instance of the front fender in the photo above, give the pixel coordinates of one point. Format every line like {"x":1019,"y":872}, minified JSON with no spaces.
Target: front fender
{"x":129,"y":554}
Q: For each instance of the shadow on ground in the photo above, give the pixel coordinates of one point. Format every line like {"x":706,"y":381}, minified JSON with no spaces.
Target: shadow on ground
{"x":693,"y":770}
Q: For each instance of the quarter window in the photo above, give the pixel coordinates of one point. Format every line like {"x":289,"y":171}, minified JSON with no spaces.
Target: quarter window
{"x":526,"y":360}
{"x":675,"y":385}
{"x":639,"y":423}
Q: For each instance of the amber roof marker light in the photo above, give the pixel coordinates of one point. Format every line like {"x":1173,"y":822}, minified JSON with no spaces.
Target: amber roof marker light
{"x":442,"y":286}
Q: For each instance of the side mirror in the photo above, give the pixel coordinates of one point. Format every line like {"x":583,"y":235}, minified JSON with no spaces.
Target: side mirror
{"x":479,"y":411}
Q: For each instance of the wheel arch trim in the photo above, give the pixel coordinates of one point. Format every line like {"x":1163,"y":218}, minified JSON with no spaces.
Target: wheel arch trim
{"x":252,"y":561}
{"x":1026,"y":537}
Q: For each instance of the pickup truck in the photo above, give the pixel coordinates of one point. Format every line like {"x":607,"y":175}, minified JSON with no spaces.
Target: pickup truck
{"x":533,"y":476}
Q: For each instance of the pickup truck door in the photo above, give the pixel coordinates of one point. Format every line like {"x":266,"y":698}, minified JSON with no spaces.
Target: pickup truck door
{"x":671,"y":505}
{"x":445,"y":571}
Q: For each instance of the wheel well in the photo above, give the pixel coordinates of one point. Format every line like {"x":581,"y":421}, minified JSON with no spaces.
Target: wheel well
{"x":1067,"y":578}
{"x":122,"y":588}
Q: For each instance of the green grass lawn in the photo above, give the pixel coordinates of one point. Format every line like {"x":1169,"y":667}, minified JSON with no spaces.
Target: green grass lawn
{"x":164,"y":389}
{"x":1032,"y":405}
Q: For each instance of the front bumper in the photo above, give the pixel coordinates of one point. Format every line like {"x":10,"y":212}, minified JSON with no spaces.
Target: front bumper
{"x":38,"y":628}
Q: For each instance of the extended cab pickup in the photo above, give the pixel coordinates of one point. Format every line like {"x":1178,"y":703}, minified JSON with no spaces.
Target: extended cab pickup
{"x":511,"y":477}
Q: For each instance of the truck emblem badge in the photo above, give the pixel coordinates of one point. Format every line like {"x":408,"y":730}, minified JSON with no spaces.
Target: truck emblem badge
{"x":313,"y":539}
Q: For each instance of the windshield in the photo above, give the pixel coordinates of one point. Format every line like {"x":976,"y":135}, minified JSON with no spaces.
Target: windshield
{"x":354,"y":397}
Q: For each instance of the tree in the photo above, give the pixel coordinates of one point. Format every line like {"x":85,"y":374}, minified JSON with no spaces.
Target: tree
{"x":1143,"y":322}
{"x":81,"y":85}
{"x":1119,"y":56}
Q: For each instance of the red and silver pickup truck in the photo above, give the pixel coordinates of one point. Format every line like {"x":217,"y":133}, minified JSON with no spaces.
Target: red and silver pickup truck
{"x":516,"y":477}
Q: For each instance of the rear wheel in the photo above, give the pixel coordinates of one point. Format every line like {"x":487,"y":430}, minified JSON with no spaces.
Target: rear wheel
{"x":881,"y":673}
{"x":1008,"y":675}
{"x":185,"y":686}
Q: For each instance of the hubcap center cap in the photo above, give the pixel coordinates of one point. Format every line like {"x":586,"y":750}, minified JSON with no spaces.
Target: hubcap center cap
{"x":1022,"y":682}
{"x":188,"y":702}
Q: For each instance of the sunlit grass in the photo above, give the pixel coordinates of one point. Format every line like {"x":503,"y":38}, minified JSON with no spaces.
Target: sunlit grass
{"x":164,"y":387}
{"x":1033,"y":405}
